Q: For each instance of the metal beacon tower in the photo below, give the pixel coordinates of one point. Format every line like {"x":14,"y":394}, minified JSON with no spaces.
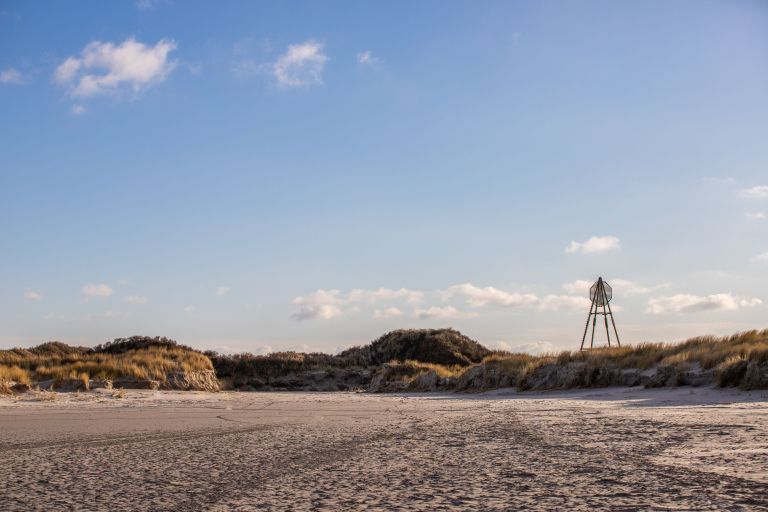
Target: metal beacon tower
{"x":600,"y":294}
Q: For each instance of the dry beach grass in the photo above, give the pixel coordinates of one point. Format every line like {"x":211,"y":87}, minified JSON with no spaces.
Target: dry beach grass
{"x":58,"y":362}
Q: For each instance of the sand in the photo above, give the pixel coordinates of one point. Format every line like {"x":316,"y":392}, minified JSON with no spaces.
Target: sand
{"x":623,"y":449}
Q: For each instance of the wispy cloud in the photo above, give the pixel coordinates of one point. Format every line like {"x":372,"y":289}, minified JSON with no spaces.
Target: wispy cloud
{"x":390,"y":312}
{"x":596,"y":244}
{"x":32,"y":295}
{"x":412,"y":296}
{"x":97,"y":291}
{"x":11,"y":76}
{"x":441,"y":313}
{"x":479,"y":297}
{"x":761,"y":258}
{"x":301,"y":65}
{"x":221,"y":291}
{"x":533,"y":348}
{"x":130,"y":66}
{"x":756,"y":192}
{"x":755,"y":215}
{"x":136,"y":299}
{"x":365,"y":58}
{"x":328,"y":304}
{"x":145,"y":5}
{"x":78,"y":109}
{"x":686,"y":303}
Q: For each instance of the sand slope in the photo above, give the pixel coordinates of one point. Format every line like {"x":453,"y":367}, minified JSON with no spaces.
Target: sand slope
{"x":619,"y":448}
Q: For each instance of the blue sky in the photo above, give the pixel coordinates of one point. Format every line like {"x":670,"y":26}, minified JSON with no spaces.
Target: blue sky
{"x":262,"y":176}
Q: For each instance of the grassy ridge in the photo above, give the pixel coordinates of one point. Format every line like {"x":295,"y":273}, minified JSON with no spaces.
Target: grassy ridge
{"x":426,"y":359}
{"x":736,"y":360}
{"x":141,"y":358}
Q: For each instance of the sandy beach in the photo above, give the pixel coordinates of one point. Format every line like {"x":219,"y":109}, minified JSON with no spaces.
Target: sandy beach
{"x":685,"y":448}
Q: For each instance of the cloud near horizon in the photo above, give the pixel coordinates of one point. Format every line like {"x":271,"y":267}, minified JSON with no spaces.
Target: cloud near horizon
{"x":477,"y":297}
{"x":687,"y":303}
{"x":390,"y":312}
{"x":32,"y":295}
{"x":596,"y":244}
{"x":328,"y":304}
{"x":104,"y":67}
{"x":441,"y":313}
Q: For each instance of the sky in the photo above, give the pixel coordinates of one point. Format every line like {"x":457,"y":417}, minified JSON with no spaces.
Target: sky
{"x":261,"y":176}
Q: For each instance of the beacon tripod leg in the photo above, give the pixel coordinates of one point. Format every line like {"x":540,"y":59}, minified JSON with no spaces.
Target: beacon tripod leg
{"x":586,"y":327}
{"x":618,"y":343}
{"x":605,"y":317}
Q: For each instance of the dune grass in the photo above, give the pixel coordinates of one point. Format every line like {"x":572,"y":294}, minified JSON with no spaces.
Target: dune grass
{"x":140,"y":361}
{"x":727,"y":358}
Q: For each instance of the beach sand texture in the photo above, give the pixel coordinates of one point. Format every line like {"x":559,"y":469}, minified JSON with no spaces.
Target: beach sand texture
{"x":621,"y":449}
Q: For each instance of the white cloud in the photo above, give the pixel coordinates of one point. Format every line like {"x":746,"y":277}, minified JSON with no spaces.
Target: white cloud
{"x":301,"y":65}
{"x":322,"y":305}
{"x":136,"y":299}
{"x":78,"y":110}
{"x":390,"y":312}
{"x":328,"y":304}
{"x":189,"y":309}
{"x":578,"y":286}
{"x":755,"y":215}
{"x":54,"y":316}
{"x":96,"y":290}
{"x":479,"y":297}
{"x":596,"y":244}
{"x":32,"y":295}
{"x":756,"y":192}
{"x":109,"y":68}
{"x":11,"y":76}
{"x":365,"y":58}
{"x":761,"y":258}
{"x":441,"y":312}
{"x":221,"y":291}
{"x":686,"y":303}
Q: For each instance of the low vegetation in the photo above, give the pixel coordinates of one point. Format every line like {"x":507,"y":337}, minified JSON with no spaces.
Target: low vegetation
{"x":416,"y":360}
{"x":353,"y":368}
{"x":738,"y":360}
{"x":137,"y":359}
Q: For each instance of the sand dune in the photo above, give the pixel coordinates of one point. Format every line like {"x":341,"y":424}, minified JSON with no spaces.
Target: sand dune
{"x":619,"y":448}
